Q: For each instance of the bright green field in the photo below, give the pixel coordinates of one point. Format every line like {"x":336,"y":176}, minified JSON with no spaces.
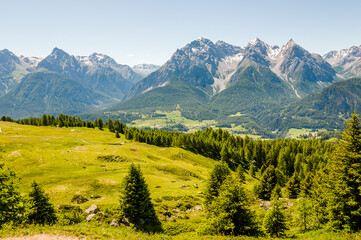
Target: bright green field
{"x":65,"y":162}
{"x":171,"y":118}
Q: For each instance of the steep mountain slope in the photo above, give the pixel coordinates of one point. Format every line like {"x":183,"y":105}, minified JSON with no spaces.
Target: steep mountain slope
{"x":97,"y":71}
{"x":12,"y":70}
{"x":175,"y":95}
{"x":231,"y":79}
{"x":196,"y":64}
{"x":346,"y":62}
{"x":303,"y":71}
{"x":252,"y":88}
{"x":51,"y":93}
{"x":328,"y":108}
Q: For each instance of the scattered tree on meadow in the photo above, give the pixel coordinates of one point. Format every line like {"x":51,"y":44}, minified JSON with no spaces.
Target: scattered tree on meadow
{"x":229,"y":213}
{"x":109,"y":124}
{"x":12,"y":207}
{"x":100,"y":124}
{"x":42,"y":211}
{"x":274,"y":222}
{"x":135,"y":202}
{"x":117,"y":134}
{"x":44,"y":121}
{"x":218,"y":175}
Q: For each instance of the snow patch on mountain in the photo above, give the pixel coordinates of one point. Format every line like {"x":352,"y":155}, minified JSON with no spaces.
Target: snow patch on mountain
{"x":31,"y":61}
{"x":145,"y":69}
{"x":347,"y":61}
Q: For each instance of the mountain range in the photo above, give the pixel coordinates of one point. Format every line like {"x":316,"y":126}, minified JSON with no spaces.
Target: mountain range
{"x":204,"y":80}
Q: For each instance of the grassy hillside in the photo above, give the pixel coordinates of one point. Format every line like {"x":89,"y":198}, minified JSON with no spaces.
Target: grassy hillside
{"x":69,"y":161}
{"x":90,"y":162}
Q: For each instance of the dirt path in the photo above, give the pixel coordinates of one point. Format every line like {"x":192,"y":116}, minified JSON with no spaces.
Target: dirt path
{"x":82,"y":140}
{"x":42,"y":237}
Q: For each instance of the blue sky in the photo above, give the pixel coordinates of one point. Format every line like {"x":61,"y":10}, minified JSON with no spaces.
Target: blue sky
{"x":141,"y":31}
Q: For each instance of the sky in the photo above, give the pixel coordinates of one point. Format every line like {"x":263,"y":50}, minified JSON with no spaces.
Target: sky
{"x":140,"y":31}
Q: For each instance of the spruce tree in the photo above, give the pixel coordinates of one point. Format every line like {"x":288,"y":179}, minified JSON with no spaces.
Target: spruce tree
{"x":135,"y":202}
{"x":109,"y":124}
{"x":42,"y":211}
{"x":44,"y":120}
{"x":293,"y":186}
{"x":218,"y":175}
{"x":268,"y":182}
{"x":11,"y":203}
{"x":304,"y":216}
{"x":117,"y":134}
{"x":344,"y":205}
{"x":229,"y":213}
{"x":274,"y":222}
{"x":100,"y":124}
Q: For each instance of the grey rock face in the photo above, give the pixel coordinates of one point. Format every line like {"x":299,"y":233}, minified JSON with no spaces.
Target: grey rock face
{"x":346,"y":62}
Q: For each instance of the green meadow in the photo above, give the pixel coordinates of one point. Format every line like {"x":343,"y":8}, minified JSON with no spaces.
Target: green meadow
{"x":87,"y":162}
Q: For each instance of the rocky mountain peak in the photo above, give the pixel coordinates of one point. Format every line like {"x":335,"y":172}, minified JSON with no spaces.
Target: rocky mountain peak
{"x":97,"y":58}
{"x":7,"y":56}
{"x":291,"y":43}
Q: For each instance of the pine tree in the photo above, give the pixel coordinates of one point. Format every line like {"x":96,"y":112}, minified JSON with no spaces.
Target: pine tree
{"x":136,"y":204}
{"x":110,"y":125}
{"x":42,"y":211}
{"x":11,"y":203}
{"x":293,"y":186}
{"x":218,"y":175}
{"x":345,"y":175}
{"x":100,"y":124}
{"x":44,"y":120}
{"x":117,"y":134}
{"x":304,"y":214}
{"x":229,"y":213}
{"x":268,"y":182}
{"x":240,"y":174}
{"x":276,"y":193}
{"x":274,"y":223}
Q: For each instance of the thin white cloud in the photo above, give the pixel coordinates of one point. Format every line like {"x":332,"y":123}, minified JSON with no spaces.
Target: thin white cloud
{"x":131,"y":55}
